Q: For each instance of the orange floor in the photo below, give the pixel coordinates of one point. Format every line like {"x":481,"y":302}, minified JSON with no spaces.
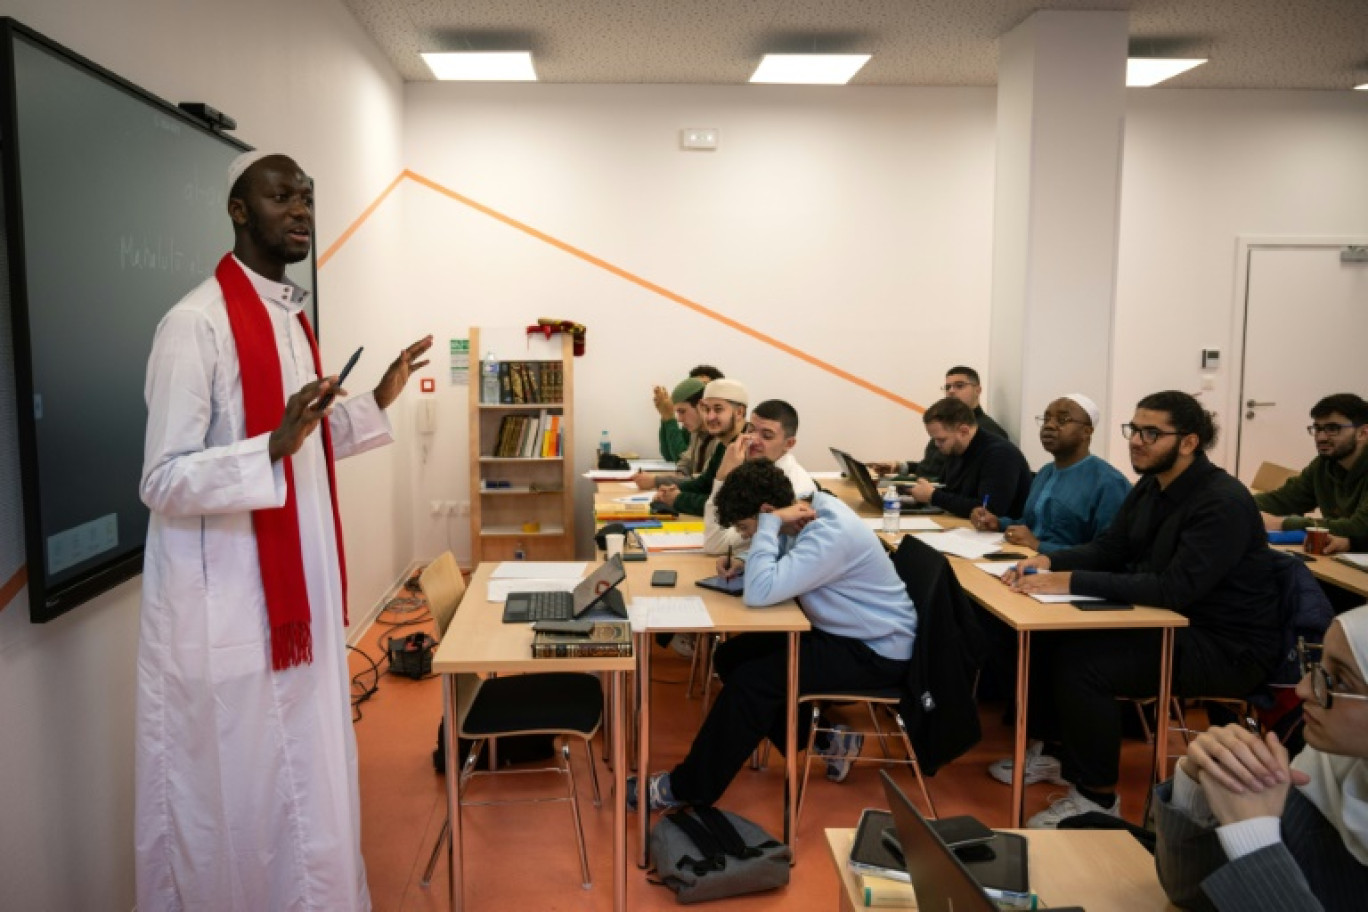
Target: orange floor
{"x":522,"y":857}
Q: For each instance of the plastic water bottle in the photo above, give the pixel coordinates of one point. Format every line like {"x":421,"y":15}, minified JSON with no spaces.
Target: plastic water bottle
{"x":605,"y":445}
{"x":489,"y":379}
{"x":892,"y":509}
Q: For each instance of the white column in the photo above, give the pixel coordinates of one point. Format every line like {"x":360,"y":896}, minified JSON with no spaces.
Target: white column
{"x":1060,"y":126}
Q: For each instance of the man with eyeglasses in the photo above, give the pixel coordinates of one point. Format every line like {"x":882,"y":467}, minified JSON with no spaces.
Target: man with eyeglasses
{"x":1072,"y":499}
{"x":1336,"y":481}
{"x":961,"y":383}
{"x":1187,"y":538}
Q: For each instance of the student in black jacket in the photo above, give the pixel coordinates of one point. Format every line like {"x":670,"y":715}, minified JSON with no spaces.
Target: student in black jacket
{"x":1188,"y":538}
{"x":981,"y":469}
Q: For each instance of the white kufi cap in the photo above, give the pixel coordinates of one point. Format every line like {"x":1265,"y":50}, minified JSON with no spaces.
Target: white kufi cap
{"x":1094,"y":413}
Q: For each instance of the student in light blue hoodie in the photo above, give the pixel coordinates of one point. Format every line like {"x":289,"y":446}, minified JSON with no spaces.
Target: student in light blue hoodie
{"x":863,"y":627}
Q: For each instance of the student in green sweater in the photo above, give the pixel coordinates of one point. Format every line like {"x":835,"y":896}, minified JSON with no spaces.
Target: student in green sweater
{"x":723,"y":408}
{"x":676,"y":434}
{"x":1336,"y":481}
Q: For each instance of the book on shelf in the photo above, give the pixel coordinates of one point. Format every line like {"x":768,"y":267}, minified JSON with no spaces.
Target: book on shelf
{"x":515,"y":378}
{"x":608,"y":638}
{"x":638,"y":510}
{"x":505,"y":383}
{"x":883,"y":892}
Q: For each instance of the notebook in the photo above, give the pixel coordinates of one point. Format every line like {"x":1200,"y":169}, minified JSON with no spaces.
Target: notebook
{"x":598,"y":591}
{"x":859,"y":473}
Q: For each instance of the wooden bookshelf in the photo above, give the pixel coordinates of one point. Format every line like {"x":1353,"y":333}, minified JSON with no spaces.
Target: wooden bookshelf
{"x":539,"y":489}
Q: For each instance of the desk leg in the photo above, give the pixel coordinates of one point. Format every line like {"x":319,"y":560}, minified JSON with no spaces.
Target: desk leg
{"x":1019,"y":736}
{"x":453,"y":783}
{"x":643,"y":650}
{"x":791,"y":745}
{"x":618,"y":699}
{"x":1161,"y":728}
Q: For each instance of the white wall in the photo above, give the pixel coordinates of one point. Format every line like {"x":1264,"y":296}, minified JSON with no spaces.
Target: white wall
{"x":1201,"y":168}
{"x":853,"y":224}
{"x":301,"y":77}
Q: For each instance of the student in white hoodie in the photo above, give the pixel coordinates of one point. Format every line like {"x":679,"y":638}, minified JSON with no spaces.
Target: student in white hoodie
{"x":774,"y":433}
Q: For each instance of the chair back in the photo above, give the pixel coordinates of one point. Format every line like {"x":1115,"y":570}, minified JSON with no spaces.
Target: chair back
{"x":1271,"y":476}
{"x":444,"y":587}
{"x":1304,"y":610}
{"x":938,"y":703}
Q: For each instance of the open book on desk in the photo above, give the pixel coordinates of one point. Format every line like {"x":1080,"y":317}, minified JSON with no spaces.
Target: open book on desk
{"x":1355,"y":559}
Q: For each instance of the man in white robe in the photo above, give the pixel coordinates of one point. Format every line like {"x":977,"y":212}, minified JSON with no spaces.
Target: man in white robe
{"x":246,"y":779}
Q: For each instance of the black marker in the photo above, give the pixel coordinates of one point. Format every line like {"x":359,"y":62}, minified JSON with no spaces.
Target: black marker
{"x":327,"y":399}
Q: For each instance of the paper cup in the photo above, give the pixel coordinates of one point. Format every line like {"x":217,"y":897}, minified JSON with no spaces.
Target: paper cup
{"x":614,"y":544}
{"x":1317,"y":537}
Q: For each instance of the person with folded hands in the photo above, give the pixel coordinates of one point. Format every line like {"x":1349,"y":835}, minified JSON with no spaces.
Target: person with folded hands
{"x":1072,"y":499}
{"x":1240,"y":827}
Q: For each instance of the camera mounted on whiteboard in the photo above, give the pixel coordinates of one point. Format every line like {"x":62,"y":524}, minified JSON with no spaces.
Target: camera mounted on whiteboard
{"x":212,"y":117}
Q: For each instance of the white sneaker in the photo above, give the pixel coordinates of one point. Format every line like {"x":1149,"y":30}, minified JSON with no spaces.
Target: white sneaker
{"x":683,"y":644}
{"x":842,"y":749}
{"x":1071,"y":805}
{"x":1040,"y":767}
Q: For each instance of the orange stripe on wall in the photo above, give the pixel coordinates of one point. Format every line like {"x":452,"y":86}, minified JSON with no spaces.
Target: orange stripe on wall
{"x":12,"y":586}
{"x":622,"y":274}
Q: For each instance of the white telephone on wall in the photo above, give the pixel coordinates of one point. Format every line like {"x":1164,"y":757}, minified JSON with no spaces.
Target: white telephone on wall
{"x":426,"y":419}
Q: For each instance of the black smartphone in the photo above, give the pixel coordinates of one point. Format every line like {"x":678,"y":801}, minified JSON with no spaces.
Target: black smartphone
{"x":960,"y":832}
{"x":1003,"y":555}
{"x":1102,"y":606}
{"x":563,"y":626}
{"x":664,"y":578}
{"x":327,"y":400}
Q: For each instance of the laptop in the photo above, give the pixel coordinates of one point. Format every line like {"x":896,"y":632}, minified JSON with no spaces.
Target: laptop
{"x":939,"y":878}
{"x":859,"y":473}
{"x":595,"y":598}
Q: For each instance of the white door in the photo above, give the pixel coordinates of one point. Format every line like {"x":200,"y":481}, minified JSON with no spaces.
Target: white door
{"x":1306,"y":336}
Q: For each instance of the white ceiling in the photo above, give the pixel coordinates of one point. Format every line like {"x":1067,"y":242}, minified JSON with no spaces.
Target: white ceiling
{"x":1253,"y":44}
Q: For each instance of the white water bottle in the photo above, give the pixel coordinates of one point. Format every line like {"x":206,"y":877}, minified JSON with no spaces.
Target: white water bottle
{"x":605,"y":445}
{"x":892,"y":509}
{"x":489,"y":380}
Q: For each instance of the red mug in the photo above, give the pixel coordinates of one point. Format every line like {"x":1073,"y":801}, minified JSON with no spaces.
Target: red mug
{"x":1316,"y":540}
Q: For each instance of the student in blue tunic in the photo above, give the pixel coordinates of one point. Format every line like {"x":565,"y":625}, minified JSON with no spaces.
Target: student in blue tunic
{"x":1072,"y":499}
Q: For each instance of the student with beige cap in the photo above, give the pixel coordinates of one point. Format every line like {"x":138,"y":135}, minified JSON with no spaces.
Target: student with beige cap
{"x":723,"y":407}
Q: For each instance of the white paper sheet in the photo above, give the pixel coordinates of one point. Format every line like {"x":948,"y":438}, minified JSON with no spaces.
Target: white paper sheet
{"x":672,"y":541}
{"x":644,"y":497}
{"x":680,"y":612}
{"x":609,"y":474}
{"x":651,"y":465}
{"x":963,"y":542}
{"x":630,"y":486}
{"x":500,"y":588}
{"x":996,"y":568}
{"x":906,"y":524}
{"x":826,"y":476}
{"x":1059,"y":599}
{"x":544,"y":570}
{"x":1357,"y":559}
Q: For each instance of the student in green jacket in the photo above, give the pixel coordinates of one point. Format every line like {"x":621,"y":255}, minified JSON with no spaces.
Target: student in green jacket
{"x":723,"y":408}
{"x":1336,"y":481}
{"x":677,"y":435}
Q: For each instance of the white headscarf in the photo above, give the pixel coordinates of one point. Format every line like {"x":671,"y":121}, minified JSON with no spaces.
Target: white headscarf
{"x":1339,"y":784}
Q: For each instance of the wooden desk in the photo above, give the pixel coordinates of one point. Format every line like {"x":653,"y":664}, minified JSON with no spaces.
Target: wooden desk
{"x":479,"y":642}
{"x":1026,"y":616}
{"x":1329,"y":570}
{"x":1097,"y":869}
{"x":729,"y":615}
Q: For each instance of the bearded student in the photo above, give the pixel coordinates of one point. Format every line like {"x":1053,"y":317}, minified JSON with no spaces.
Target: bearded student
{"x":245,"y":770}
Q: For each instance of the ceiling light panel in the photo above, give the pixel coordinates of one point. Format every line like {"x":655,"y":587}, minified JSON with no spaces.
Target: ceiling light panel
{"x":482,"y":66}
{"x":1143,"y":72}
{"x":809,"y":69}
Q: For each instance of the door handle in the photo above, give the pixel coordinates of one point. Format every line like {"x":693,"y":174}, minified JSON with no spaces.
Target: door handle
{"x":1252,"y":404}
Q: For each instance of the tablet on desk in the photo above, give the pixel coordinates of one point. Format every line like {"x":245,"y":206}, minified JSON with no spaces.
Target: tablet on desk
{"x":734,"y":586}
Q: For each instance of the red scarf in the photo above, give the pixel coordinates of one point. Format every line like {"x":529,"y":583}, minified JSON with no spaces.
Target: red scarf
{"x":277,"y":529}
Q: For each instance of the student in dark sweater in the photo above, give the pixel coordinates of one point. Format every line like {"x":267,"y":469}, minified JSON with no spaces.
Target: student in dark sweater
{"x":1336,"y":482}
{"x":1188,"y":538}
{"x":981,"y":469}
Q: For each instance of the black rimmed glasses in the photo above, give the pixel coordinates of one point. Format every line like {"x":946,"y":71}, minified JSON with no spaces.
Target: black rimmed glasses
{"x":1323,"y":683}
{"x":957,"y":385}
{"x":1130,"y":431}
{"x":1333,"y":429}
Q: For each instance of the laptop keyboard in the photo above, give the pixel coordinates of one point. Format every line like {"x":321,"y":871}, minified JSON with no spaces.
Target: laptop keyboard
{"x":546,"y":606}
